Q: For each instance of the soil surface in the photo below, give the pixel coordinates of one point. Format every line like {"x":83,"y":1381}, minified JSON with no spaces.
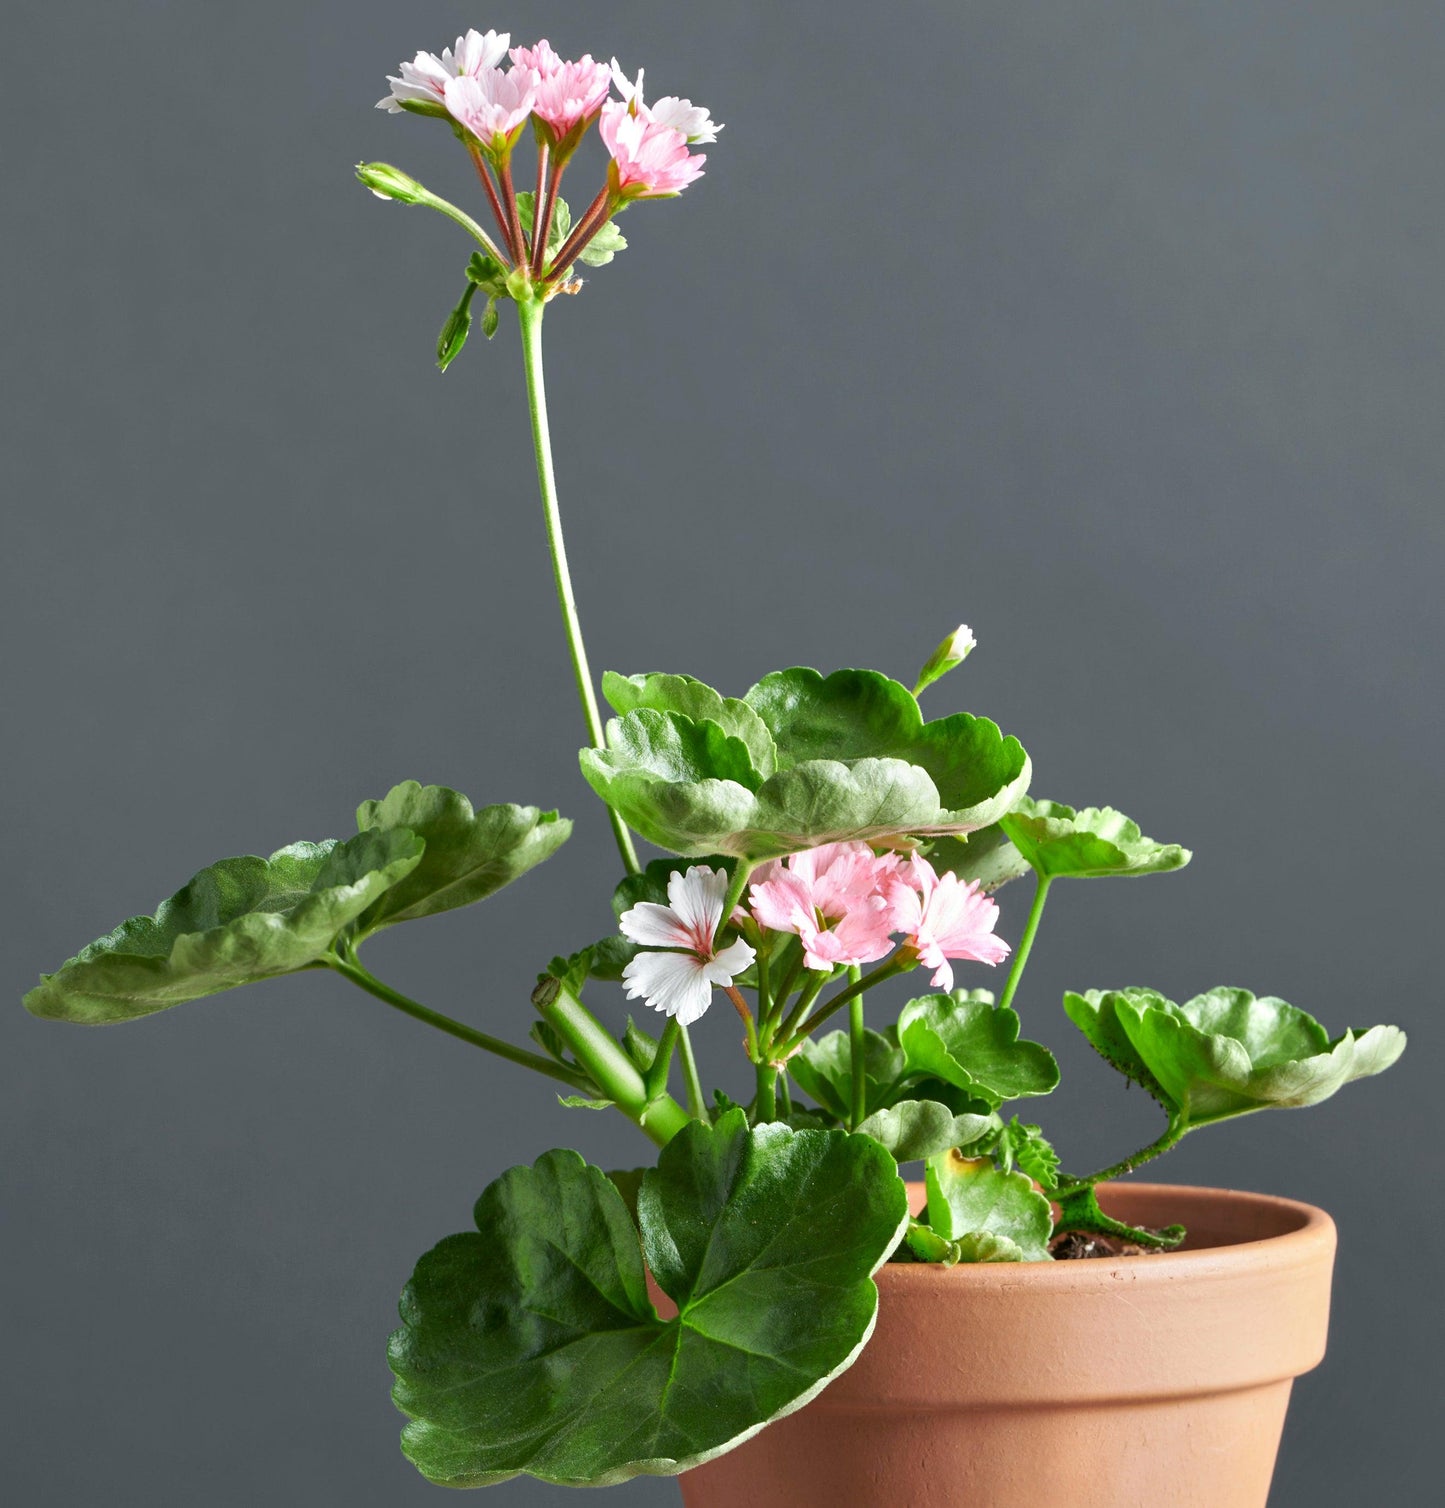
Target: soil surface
{"x":1074,"y":1245}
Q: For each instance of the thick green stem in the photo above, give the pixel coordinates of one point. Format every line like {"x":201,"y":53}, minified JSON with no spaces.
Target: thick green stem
{"x":765,"y":1106}
{"x":1174,"y":1132}
{"x":1021,"y":957}
{"x":594,"y":1047}
{"x":364,"y":979}
{"x":898,"y":964}
{"x":529,"y":314}
{"x":799,"y":1013}
{"x":739,"y":879}
{"x":695,"y":1101}
{"x":855,"y":1054}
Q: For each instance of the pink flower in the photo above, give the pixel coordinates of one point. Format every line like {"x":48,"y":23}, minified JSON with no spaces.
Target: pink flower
{"x":944,"y":919}
{"x":649,"y":160}
{"x":681,"y":114}
{"x":492,"y":105}
{"x":571,"y":94}
{"x":837,"y":898}
{"x":543,"y":59}
{"x":425,"y":77}
{"x":680,"y":983}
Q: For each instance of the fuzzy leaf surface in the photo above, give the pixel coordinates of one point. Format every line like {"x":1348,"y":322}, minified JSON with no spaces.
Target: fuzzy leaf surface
{"x":916,"y":1129}
{"x":236,"y":922}
{"x":470,"y":854}
{"x":1093,"y":842}
{"x":530,"y":1345}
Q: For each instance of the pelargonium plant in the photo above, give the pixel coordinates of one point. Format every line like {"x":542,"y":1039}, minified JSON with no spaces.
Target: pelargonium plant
{"x":819,"y":836}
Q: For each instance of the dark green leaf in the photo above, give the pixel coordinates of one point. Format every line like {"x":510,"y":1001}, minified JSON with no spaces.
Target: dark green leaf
{"x":1093,"y":842}
{"x":823,"y":1070}
{"x":236,"y":922}
{"x":915,"y":1129}
{"x":974,"y":1045}
{"x":640,"y":1047}
{"x":489,"y":275}
{"x":531,"y":1347}
{"x":969,"y":1197}
{"x":469,"y":854}
{"x":987,"y":856}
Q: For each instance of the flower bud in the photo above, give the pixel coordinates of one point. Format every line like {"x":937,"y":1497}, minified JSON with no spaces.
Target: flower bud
{"x":949,"y":655}
{"x":387,"y":182}
{"x":455,"y":331}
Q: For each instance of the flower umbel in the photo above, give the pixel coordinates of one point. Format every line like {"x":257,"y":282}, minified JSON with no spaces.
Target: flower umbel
{"x":649,"y":160}
{"x":680,"y":982}
{"x":424,"y":79}
{"x":837,"y":898}
{"x":493,"y":105}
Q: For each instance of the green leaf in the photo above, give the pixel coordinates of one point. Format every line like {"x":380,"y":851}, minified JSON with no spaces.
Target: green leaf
{"x":969,"y":1197}
{"x":974,"y":1045}
{"x":234,"y":923}
{"x":581,"y":1102}
{"x":530,"y":1346}
{"x":639,"y":1046}
{"x":561,"y":221}
{"x":1226,"y":1053}
{"x":1090,"y":843}
{"x":490,"y":319}
{"x":699,"y":703}
{"x":851,"y":759}
{"x":469,"y":854}
{"x":488,"y":274}
{"x":987,"y":856}
{"x":987,"y":1246}
{"x":1093,"y":1013}
{"x":915,"y":1129}
{"x":1026,"y":1145}
{"x":605,"y":245}
{"x":928,"y":1246}
{"x":823,"y":1069}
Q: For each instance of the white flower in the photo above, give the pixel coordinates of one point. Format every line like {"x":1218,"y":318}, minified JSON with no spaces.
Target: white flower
{"x":680,"y":983}
{"x":691,"y":120}
{"x":425,"y":77}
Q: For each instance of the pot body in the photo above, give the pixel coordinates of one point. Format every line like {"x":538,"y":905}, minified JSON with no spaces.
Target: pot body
{"x":1159,"y":1380}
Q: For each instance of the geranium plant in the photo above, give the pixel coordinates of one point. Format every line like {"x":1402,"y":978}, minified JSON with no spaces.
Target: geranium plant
{"x":819,"y":835}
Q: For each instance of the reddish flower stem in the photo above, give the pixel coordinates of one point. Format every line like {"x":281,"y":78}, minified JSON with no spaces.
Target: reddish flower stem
{"x":514,"y":222}
{"x":591,"y":222}
{"x":541,"y":211}
{"x":480,"y":163}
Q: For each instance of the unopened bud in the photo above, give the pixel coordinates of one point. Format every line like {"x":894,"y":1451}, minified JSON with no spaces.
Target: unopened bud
{"x":387,"y":182}
{"x":949,"y":655}
{"x":455,"y":331}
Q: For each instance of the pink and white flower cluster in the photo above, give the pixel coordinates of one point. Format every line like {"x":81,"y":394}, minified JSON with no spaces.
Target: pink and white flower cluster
{"x":649,"y":146}
{"x":847,"y":904}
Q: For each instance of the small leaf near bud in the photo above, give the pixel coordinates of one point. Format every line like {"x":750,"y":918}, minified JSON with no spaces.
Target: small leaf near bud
{"x":387,"y":182}
{"x":455,"y":330}
{"x":488,"y":274}
{"x":949,"y":655}
{"x":489,"y":319}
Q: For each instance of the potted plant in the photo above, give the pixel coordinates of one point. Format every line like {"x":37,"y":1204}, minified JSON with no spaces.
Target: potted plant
{"x":715,"y":1314}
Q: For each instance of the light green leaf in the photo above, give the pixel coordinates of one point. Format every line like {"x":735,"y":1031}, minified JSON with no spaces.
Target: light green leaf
{"x":972,"y":1044}
{"x":581,"y":1102}
{"x":851,"y":758}
{"x":1025,"y":1144}
{"x":984,"y":1246}
{"x":605,"y":245}
{"x":698,"y":702}
{"x":927,"y":1246}
{"x":234,"y":923}
{"x":823,"y":1070}
{"x":530,"y":1346}
{"x":1093,"y":1013}
{"x":1090,"y":843}
{"x":469,"y":854}
{"x":915,"y":1129}
{"x":969,"y":1197}
{"x":561,"y":220}
{"x":1226,"y":1053}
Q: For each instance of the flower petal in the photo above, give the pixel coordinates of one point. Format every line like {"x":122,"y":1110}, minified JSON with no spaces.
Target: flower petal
{"x":654,"y":926}
{"x":673,"y":983}
{"x":697,"y":900}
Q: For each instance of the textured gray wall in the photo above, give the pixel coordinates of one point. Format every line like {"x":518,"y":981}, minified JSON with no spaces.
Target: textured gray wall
{"x":1112,"y":329}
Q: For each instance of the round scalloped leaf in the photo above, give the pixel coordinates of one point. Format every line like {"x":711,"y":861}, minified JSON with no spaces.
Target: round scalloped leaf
{"x":971,"y":1201}
{"x":530,"y":1346}
{"x":974,"y":1045}
{"x":1227,"y":1053}
{"x":698,"y":702}
{"x":987,"y":857}
{"x":915,"y":1129}
{"x":469,"y":854}
{"x":1093,"y":842}
{"x":823,"y":1070}
{"x":861,"y":714}
{"x":236,"y":922}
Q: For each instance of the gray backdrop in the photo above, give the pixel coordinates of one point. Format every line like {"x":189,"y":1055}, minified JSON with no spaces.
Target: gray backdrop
{"x":1114,"y":330}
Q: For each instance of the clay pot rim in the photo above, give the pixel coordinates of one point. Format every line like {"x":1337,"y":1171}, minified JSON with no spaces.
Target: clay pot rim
{"x":1303,"y":1230}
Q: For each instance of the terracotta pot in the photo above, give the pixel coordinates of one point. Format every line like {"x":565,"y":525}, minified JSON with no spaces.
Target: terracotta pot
{"x":1159,"y":1380}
